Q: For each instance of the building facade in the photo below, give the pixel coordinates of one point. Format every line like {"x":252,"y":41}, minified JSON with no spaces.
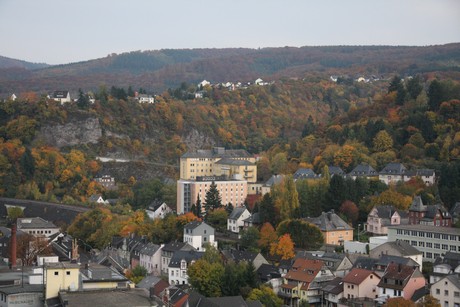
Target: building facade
{"x":430,"y":240}
{"x":230,"y":191}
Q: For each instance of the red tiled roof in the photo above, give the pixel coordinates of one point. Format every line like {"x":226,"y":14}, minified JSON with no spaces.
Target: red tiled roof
{"x":357,"y":276}
{"x":304,"y":270}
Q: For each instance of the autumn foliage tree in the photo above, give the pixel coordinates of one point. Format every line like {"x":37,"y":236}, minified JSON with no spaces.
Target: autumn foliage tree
{"x":350,"y":210}
{"x":267,"y":237}
{"x":284,"y":248}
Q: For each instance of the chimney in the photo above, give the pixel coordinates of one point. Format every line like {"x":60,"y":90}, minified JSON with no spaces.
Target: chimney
{"x":13,"y":245}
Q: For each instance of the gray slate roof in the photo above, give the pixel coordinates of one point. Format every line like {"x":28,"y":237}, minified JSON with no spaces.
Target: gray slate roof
{"x":363,"y":170}
{"x":334,"y":286}
{"x":305,"y":173}
{"x":229,"y":161}
{"x":329,"y":222}
{"x":236,"y":213}
{"x":34,"y":222}
{"x":403,"y":247}
{"x":149,"y":249}
{"x":188,"y":256}
{"x":393,"y":168}
{"x":275,"y":179}
{"x":417,"y":205}
{"x":335,"y":170}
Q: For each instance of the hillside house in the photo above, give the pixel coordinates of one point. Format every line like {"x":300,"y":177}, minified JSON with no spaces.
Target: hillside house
{"x":168,"y":251}
{"x":335,"y":230}
{"x":433,"y":215}
{"x":447,"y":290}
{"x":150,"y":258}
{"x":143,"y":98}
{"x":61,"y":96}
{"x":381,"y":217}
{"x":365,"y":171}
{"x":177,"y":268}
{"x":158,"y":209}
{"x":397,"y":248}
{"x":235,"y":221}
{"x":400,"y":281}
{"x":392,"y":173}
{"x":198,"y":234}
{"x":37,"y":227}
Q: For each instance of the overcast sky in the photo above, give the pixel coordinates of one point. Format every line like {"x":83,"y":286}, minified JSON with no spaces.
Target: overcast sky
{"x":64,"y":31}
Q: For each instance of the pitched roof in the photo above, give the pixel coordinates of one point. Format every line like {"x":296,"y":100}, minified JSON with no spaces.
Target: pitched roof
{"x":176,"y":246}
{"x":366,"y":263}
{"x":107,"y":297}
{"x":238,"y":256}
{"x":417,"y":205}
{"x":419,"y":293}
{"x":195,"y":299}
{"x":400,"y":272}
{"x":275,"y":179}
{"x":393,"y":168}
{"x":188,"y":256}
{"x":305,"y":173}
{"x":335,"y":170}
{"x":433,"y":210}
{"x":194,"y":224}
{"x":149,"y":249}
{"x":357,"y":276}
{"x":34,"y":222}
{"x":254,"y":218}
{"x":234,"y":301}
{"x":329,"y":222}
{"x":334,"y":286}
{"x":229,"y":161}
{"x":154,"y":205}
{"x":404,"y":248}
{"x":267,"y":272}
{"x":304,"y":270}
{"x":363,"y":170}
{"x":236,"y":213}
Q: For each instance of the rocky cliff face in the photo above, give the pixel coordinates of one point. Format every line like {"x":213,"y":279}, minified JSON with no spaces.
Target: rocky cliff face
{"x":76,"y":132}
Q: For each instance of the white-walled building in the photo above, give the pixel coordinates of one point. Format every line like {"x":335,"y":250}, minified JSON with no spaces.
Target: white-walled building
{"x":235,"y":221}
{"x":198,"y":234}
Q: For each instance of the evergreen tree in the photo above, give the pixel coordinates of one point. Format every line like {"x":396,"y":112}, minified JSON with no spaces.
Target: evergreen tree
{"x":436,"y":95}
{"x":395,"y":84}
{"x":414,"y":87}
{"x":197,"y":211}
{"x":213,"y":199}
{"x":267,"y":210}
{"x":336,"y":193}
{"x":229,"y":208}
{"x":27,"y":163}
{"x":83,"y":100}
{"x":130,"y":91}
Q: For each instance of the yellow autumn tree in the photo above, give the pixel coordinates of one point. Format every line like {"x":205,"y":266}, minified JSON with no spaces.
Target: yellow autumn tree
{"x":284,"y":248}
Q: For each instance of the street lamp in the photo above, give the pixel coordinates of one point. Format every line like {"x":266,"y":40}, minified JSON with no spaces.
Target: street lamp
{"x":359,"y":225}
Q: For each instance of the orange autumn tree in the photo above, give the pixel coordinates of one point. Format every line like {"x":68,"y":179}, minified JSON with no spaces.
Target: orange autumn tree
{"x":267,"y":237}
{"x":284,"y":248}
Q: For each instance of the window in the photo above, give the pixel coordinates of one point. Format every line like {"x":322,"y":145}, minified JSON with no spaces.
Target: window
{"x":456,"y":294}
{"x":446,"y":292}
{"x":453,"y":248}
{"x":429,"y":244}
{"x":444,"y":247}
{"x":422,"y":244}
{"x":437,"y":245}
{"x":438,"y":291}
{"x":56,"y":273}
{"x":429,"y":255}
{"x":67,"y":273}
{"x":413,"y":243}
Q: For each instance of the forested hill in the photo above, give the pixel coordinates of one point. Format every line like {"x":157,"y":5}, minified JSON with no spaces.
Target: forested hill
{"x":156,"y":71}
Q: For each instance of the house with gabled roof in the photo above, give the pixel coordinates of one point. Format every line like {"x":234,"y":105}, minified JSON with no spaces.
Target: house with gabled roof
{"x":158,"y":209}
{"x":444,"y":265}
{"x":177,"y":268}
{"x":303,"y":282}
{"x":238,"y":256}
{"x":335,"y":170}
{"x":447,"y":290}
{"x":428,"y":176}
{"x":335,"y":230}
{"x":144,"y":98}
{"x":150,"y":258}
{"x":364,"y":170}
{"x":397,"y":248}
{"x":61,"y":96}
{"x":305,"y":173}
{"x":251,"y":221}
{"x":433,"y":215}
{"x":392,"y":173}
{"x":360,"y":283}
{"x":235,"y":221}
{"x":168,"y":251}
{"x":381,"y":217}
{"x":400,"y":280}
{"x":338,"y":263}
{"x":333,"y":291}
{"x":96,"y":198}
{"x":198,"y":234}
{"x":273,"y":180}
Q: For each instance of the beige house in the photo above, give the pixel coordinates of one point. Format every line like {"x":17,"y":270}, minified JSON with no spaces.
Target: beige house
{"x":218,"y":161}
{"x":61,"y":276}
{"x":359,"y":283}
{"x":398,"y":248}
{"x":334,"y":229}
{"x":447,"y":291}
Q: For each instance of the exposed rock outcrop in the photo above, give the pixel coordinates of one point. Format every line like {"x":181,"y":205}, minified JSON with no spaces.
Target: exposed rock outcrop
{"x":76,"y":132}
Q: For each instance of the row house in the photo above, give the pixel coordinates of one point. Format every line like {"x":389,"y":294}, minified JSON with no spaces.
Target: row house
{"x":303,"y":282}
{"x":360,"y":283}
{"x":381,"y":217}
{"x":338,"y":263}
{"x":400,"y":281}
{"x":168,"y":251}
{"x":447,"y":264}
{"x":150,"y":258}
{"x":435,"y":215}
{"x":180,"y":261}
{"x":398,"y":248}
{"x":447,"y":291}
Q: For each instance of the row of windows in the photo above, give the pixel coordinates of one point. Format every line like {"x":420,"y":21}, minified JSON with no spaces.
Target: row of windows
{"x":41,"y":232}
{"x":446,"y":292}
{"x":452,"y":248}
{"x":424,"y":234}
{"x":56,"y":273}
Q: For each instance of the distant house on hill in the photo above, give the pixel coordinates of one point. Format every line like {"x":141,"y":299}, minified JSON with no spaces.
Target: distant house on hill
{"x":381,"y":217}
{"x":434,"y":215}
{"x":158,"y":209}
{"x":61,"y":96}
{"x":363,"y":170}
{"x":235,"y":221}
{"x":143,"y":98}
{"x":335,"y":230}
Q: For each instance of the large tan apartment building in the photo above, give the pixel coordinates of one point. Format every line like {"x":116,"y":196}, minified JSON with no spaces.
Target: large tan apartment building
{"x":233,"y":163}
{"x":230,"y":190}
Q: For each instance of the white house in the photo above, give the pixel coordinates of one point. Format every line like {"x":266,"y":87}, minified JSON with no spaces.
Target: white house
{"x":97,"y":199}
{"x":198,"y":234}
{"x":143,"y":98}
{"x":177,"y":269}
{"x":158,"y":209}
{"x":235,"y":221}
{"x":150,"y":258}
{"x":447,"y":291}
{"x":61,"y":96}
